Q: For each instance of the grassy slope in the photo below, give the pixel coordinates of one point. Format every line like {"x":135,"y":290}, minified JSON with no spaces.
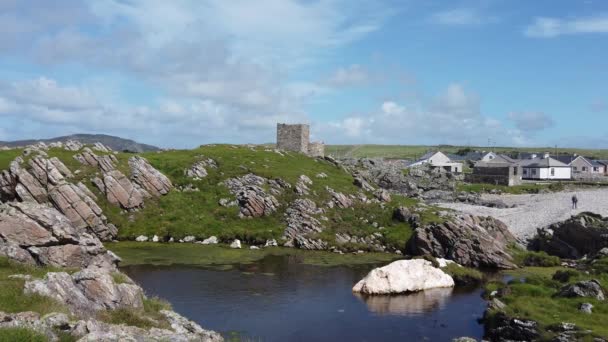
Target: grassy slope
{"x":415,"y":151}
{"x":198,"y":213}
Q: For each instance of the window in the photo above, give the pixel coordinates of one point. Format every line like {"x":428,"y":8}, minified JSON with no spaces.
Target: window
{"x":584,"y":168}
{"x":575,"y":168}
{"x":596,"y":169}
{"x":533,"y":172}
{"x":552,"y":171}
{"x":514,"y":171}
{"x":525,"y":171}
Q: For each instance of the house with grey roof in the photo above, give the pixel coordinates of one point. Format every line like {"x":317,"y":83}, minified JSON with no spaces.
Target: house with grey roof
{"x":583,"y":167}
{"x":546,"y":168}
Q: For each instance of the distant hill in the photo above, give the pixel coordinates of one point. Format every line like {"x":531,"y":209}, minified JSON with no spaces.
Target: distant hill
{"x":116,"y":143}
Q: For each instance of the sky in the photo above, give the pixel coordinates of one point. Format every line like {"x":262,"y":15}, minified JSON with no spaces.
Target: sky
{"x":184,"y":73}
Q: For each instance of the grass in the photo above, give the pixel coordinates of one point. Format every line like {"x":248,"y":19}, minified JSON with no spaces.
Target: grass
{"x":147,"y":253}
{"x":464,"y":275}
{"x":20,"y":335}
{"x":6,"y":157}
{"x":147,"y":317}
{"x":532,"y":295}
{"x":12,"y":298}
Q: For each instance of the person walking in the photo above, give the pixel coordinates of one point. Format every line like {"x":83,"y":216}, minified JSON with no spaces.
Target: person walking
{"x":574,"y":202}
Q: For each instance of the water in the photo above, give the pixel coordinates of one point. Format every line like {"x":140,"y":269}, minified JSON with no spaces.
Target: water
{"x":280,"y":299}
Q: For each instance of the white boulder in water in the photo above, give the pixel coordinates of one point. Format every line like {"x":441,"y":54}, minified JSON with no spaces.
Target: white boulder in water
{"x":404,"y":276}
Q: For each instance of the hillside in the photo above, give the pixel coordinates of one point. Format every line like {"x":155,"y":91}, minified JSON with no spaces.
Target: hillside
{"x":116,"y":143}
{"x":192,"y":208}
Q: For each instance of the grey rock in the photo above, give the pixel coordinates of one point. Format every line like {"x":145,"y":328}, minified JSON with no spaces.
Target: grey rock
{"x":210,"y":241}
{"x":586,"y":308}
{"x":581,"y":289}
{"x":149,"y":178}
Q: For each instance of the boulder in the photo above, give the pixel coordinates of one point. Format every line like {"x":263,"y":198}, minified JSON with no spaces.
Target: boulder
{"x":236,"y":244}
{"x":382,"y":195}
{"x":584,"y":234}
{"x":119,"y":190}
{"x":88,"y":291}
{"x":363,"y":184}
{"x":340,"y":199}
{"x":271,"y":243}
{"x":582,"y":289}
{"x":210,"y":241}
{"x":73,"y":145}
{"x":141,"y":238}
{"x":148,"y":177}
{"x":38,"y":234}
{"x":302,"y":185}
{"x":504,"y":328}
{"x":189,"y":239}
{"x":198,"y":170}
{"x":469,"y":240}
{"x":586,"y":308}
{"x":404,"y":276}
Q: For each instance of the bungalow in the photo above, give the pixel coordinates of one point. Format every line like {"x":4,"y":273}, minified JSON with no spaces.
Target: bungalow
{"x":438,"y":160}
{"x":545,"y":169}
{"x":582,"y":167}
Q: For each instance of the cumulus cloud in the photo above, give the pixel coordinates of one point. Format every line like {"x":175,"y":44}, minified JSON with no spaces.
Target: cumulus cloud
{"x":462,"y":17}
{"x":218,"y":69}
{"x":451,"y":117}
{"x":546,"y":27}
{"x":531,"y":121}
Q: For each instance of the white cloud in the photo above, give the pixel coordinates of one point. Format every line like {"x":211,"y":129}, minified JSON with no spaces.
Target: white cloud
{"x":462,"y":17}
{"x":531,"y":121}
{"x":352,"y":75}
{"x":545,"y":27}
{"x":452,"y":117}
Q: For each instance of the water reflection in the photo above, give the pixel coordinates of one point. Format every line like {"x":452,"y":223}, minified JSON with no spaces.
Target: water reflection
{"x":416,"y":303}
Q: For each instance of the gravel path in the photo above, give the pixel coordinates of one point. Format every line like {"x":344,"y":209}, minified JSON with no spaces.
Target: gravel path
{"x":540,"y":210}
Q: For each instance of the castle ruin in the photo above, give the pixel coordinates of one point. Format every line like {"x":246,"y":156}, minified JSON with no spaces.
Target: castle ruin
{"x":297,"y":138}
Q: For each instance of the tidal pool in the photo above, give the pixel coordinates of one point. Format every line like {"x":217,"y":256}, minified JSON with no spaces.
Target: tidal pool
{"x":280,"y":299}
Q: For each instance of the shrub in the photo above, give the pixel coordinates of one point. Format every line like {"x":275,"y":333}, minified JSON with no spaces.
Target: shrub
{"x":540,"y":259}
{"x":564,"y":276}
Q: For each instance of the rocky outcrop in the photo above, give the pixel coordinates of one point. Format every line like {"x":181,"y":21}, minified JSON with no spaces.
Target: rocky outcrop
{"x":503,"y":328}
{"x":301,"y":221}
{"x":468,"y":240}
{"x":583,"y":289}
{"x":38,"y":234}
{"x":255,"y":202}
{"x":88,"y":291}
{"x":251,"y":196}
{"x":73,"y":145}
{"x":105,"y":163}
{"x":584,"y":234}
{"x":199,"y":169}
{"x":339,"y":199}
{"x":119,"y":190}
{"x":51,"y":325}
{"x":149,"y":178}
{"x":302,"y":184}
{"x":46,"y":181}
{"x":404,"y":276}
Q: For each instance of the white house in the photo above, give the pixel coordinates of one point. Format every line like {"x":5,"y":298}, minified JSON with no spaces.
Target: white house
{"x":438,"y":160}
{"x":545,"y":169}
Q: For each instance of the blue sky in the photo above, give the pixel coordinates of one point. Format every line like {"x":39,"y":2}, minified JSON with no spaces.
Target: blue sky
{"x":184,"y":73}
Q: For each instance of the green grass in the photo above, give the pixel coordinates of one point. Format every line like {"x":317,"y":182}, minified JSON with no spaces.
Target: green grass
{"x":12,"y":298}
{"x":532,"y":293}
{"x":147,"y":317}
{"x":20,"y":335}
{"x":6,"y":157}
{"x":464,"y":275}
{"x":147,"y":253}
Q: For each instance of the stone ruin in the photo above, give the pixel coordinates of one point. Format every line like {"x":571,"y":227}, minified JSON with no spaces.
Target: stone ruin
{"x":296,"y":138}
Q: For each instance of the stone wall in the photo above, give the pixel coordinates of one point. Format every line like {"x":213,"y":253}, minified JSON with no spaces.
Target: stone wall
{"x":506,"y":175}
{"x":316,"y":149}
{"x":293,"y":137}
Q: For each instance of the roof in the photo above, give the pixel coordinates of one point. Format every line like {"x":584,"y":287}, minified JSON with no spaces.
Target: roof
{"x":596,"y":163}
{"x":428,"y":155}
{"x":542,"y":163}
{"x":474,"y":156}
{"x":500,"y":160}
{"x":566,"y":159}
